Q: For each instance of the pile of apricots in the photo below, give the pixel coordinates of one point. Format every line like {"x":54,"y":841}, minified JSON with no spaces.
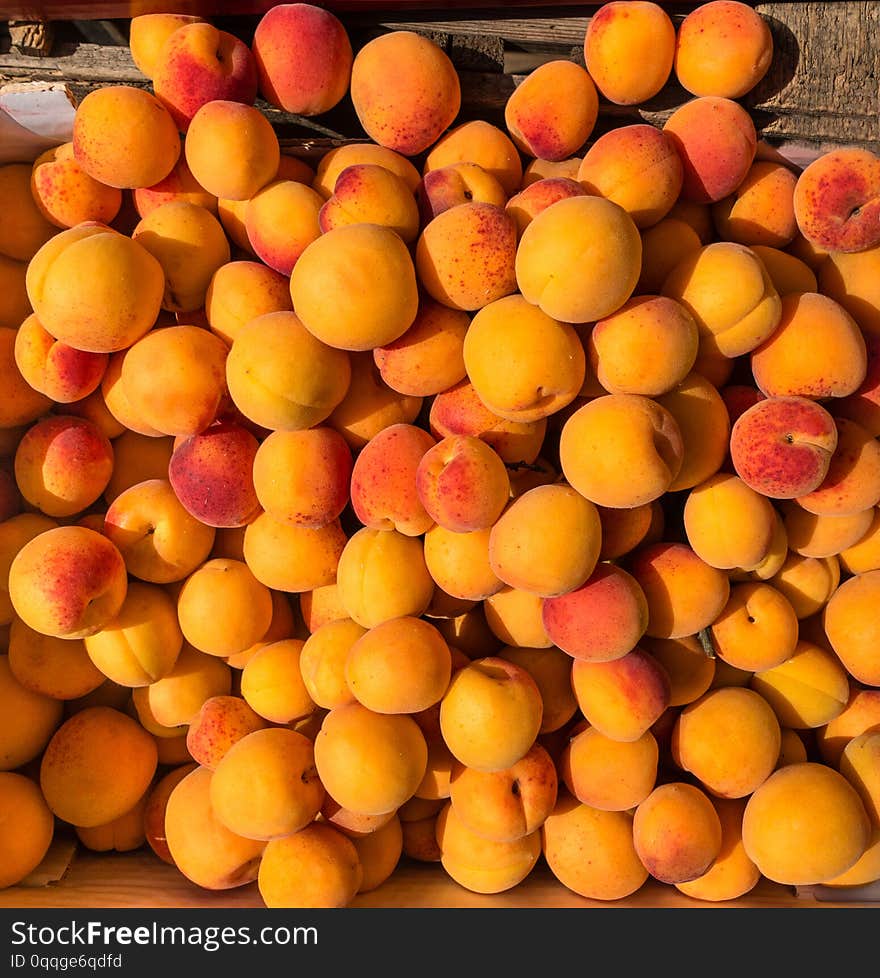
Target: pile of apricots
{"x":481,"y":495}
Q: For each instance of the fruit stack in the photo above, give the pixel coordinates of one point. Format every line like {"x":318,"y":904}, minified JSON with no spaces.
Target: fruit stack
{"x":476,"y":495}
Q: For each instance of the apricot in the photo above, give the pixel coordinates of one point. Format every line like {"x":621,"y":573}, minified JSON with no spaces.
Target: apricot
{"x":302,"y":477}
{"x":382,"y":574}
{"x":211,"y":473}
{"x":625,"y":529}
{"x":727,"y":765}
{"x":523,"y":364}
{"x":318,"y":866}
{"x":56,"y":667}
{"x":689,"y":669}
{"x":173,"y":701}
{"x":780,"y":366}
{"x":14,"y":303}
{"x":105,"y":310}
{"x":849,"y":625}
{"x":379,"y":853}
{"x":782,"y":446}
{"x":335,"y":160}
{"x":684,"y":592}
{"x":369,"y":404}
{"x":211,"y":603}
{"x":405,"y":91}
{"x":30,"y":720}
{"x":611,"y":775}
{"x":141,"y":643}
{"x":514,"y":617}
{"x":621,"y":433}
{"x":479,"y":141}
{"x":621,"y":698}
{"x":68,"y":582}
{"x":231,"y":149}
{"x":179,"y":185}
{"x":55,"y":369}
{"x":124,"y":137}
{"x":459,"y":410}
{"x":807,"y":690}
{"x":727,"y":523}
{"x":757,"y":629}
{"x":807,"y":582}
{"x":367,"y":193}
{"x":664,"y":245}
{"x":382,"y":482}
{"x":603,"y":619}
{"x":723,"y":48}
{"x":356,"y":825}
{"x":402,"y":665}
{"x":815,"y":535}
{"x":468,"y":276}
{"x":28,"y":827}
{"x":457,"y":183}
{"x":862,"y":555}
{"x":637,"y":167}
{"x":861,"y":715}
{"x":266,"y":785}
{"x":621,"y":36}
{"x":428,"y":358}
{"x":761,"y":209}
{"x":199,"y":844}
{"x":533,"y":198}
{"x":835,"y":200}
{"x":190,"y":244}
{"x":63,"y":464}
{"x":648,"y":346}
{"x":201,"y":63}
{"x":804,"y":825}
{"x":852,"y":482}
{"x":487,"y":696}
{"x":677,"y":832}
{"x":613,"y":871}
{"x":221,"y":721}
{"x":579,"y":259}
{"x":732,"y":874}
{"x":787,"y":272}
{"x":175,"y":379}
{"x":159,"y":540}
{"x":240,"y":291}
{"x":66,"y":195}
{"x":479,"y":864}
{"x":702,"y":418}
{"x":303,"y":57}
{"x":462,"y":484}
{"x":551,"y":669}
{"x":552,"y":112}
{"x":24,"y":229}
{"x":862,"y":405}
{"x":733,"y":318}
{"x":15,"y":532}
{"x":319,"y":606}
{"x":848,"y":277}
{"x":717,"y":142}
{"x":98,"y":763}
{"x":370,"y":269}
{"x":280,"y":220}
{"x":546,"y":541}
{"x":147,"y":34}
{"x":370,"y":762}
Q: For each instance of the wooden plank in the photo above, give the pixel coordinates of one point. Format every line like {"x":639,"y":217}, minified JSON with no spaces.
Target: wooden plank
{"x":140,"y":879}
